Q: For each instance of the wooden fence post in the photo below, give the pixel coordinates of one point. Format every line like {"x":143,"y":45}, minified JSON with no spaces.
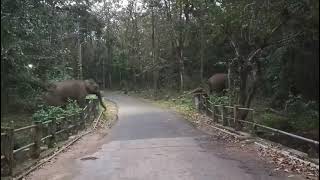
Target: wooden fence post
{"x":224,"y":122}
{"x":52,"y":131}
{"x":73,"y":123}
{"x":69,"y":123}
{"x":77,"y":122}
{"x":96,"y":108}
{"x":86,"y":115}
{"x":64,"y":126}
{"x":204,"y":110}
{"x":200,"y":103}
{"x":213,"y":113}
{"x":7,"y":145}
{"x":208,"y":105}
{"x":196,"y":100}
{"x":235,"y":117}
{"x":92,"y":110}
{"x":82,"y":120}
{"x":254,"y":127}
{"x":35,"y":150}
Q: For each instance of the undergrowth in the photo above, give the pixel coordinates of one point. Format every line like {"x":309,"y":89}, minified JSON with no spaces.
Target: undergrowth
{"x":46,"y":113}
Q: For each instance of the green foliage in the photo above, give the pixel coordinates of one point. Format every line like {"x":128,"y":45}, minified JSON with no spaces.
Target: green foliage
{"x":46,"y":113}
{"x":60,"y":73}
{"x":303,"y":122}
{"x":296,"y":105}
{"x":91,"y":96}
{"x":273,"y":68}
{"x":216,"y":99}
{"x":300,"y":116}
{"x":185,"y":103}
{"x":275,"y":121}
{"x":304,"y":115}
{"x":38,"y":42}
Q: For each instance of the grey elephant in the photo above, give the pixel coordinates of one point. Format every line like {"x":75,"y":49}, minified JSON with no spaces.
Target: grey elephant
{"x":58,"y":93}
{"x":218,"y":82}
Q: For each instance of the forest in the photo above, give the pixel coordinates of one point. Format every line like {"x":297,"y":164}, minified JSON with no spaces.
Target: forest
{"x":269,"y":48}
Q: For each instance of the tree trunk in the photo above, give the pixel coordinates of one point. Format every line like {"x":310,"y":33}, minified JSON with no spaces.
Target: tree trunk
{"x":3,"y":86}
{"x":243,"y":85}
{"x":181,"y":69}
{"x":180,"y":50}
{"x":230,"y":88}
{"x":79,"y":55}
{"x":201,"y":51}
{"x":80,"y":76}
{"x":103,"y":73}
{"x":120,"y":77}
{"x":153,"y":51}
{"x":110,"y":79}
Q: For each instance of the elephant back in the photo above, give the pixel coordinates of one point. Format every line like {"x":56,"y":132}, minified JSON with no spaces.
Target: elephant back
{"x":218,"y":82}
{"x":73,"y":89}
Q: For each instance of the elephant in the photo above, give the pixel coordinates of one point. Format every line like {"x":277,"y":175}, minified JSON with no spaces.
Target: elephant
{"x":58,"y":93}
{"x":218,"y":82}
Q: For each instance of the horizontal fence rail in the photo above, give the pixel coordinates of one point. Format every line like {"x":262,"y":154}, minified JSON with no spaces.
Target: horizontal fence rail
{"x":43,"y":133}
{"x":211,"y":109}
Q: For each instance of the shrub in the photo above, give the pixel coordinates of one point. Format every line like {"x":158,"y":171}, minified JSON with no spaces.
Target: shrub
{"x":46,"y":113}
{"x":215,"y":99}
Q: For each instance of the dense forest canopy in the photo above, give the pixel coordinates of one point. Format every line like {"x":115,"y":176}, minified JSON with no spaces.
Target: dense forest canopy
{"x":269,"y":47}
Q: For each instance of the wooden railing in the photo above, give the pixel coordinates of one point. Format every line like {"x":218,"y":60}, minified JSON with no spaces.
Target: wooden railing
{"x":42,"y":133}
{"x":229,"y":117}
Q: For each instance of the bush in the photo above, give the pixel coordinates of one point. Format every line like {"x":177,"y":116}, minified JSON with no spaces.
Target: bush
{"x":46,"y":113}
{"x":276,"y":121}
{"x":185,"y":102}
{"x":303,"y":114}
{"x":215,"y":99}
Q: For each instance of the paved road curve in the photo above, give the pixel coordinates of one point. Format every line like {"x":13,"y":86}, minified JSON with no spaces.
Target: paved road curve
{"x":150,"y":143}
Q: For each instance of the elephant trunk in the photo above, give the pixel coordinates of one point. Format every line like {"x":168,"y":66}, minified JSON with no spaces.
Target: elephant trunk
{"x":100,"y":100}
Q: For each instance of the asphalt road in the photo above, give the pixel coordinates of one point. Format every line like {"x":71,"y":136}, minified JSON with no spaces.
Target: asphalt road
{"x":152,"y":143}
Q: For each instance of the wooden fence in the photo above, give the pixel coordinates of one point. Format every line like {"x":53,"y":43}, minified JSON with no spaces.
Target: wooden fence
{"x":229,"y":117}
{"x":42,"y":133}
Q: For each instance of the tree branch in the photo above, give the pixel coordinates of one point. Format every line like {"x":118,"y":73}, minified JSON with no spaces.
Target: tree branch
{"x":234,"y":47}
